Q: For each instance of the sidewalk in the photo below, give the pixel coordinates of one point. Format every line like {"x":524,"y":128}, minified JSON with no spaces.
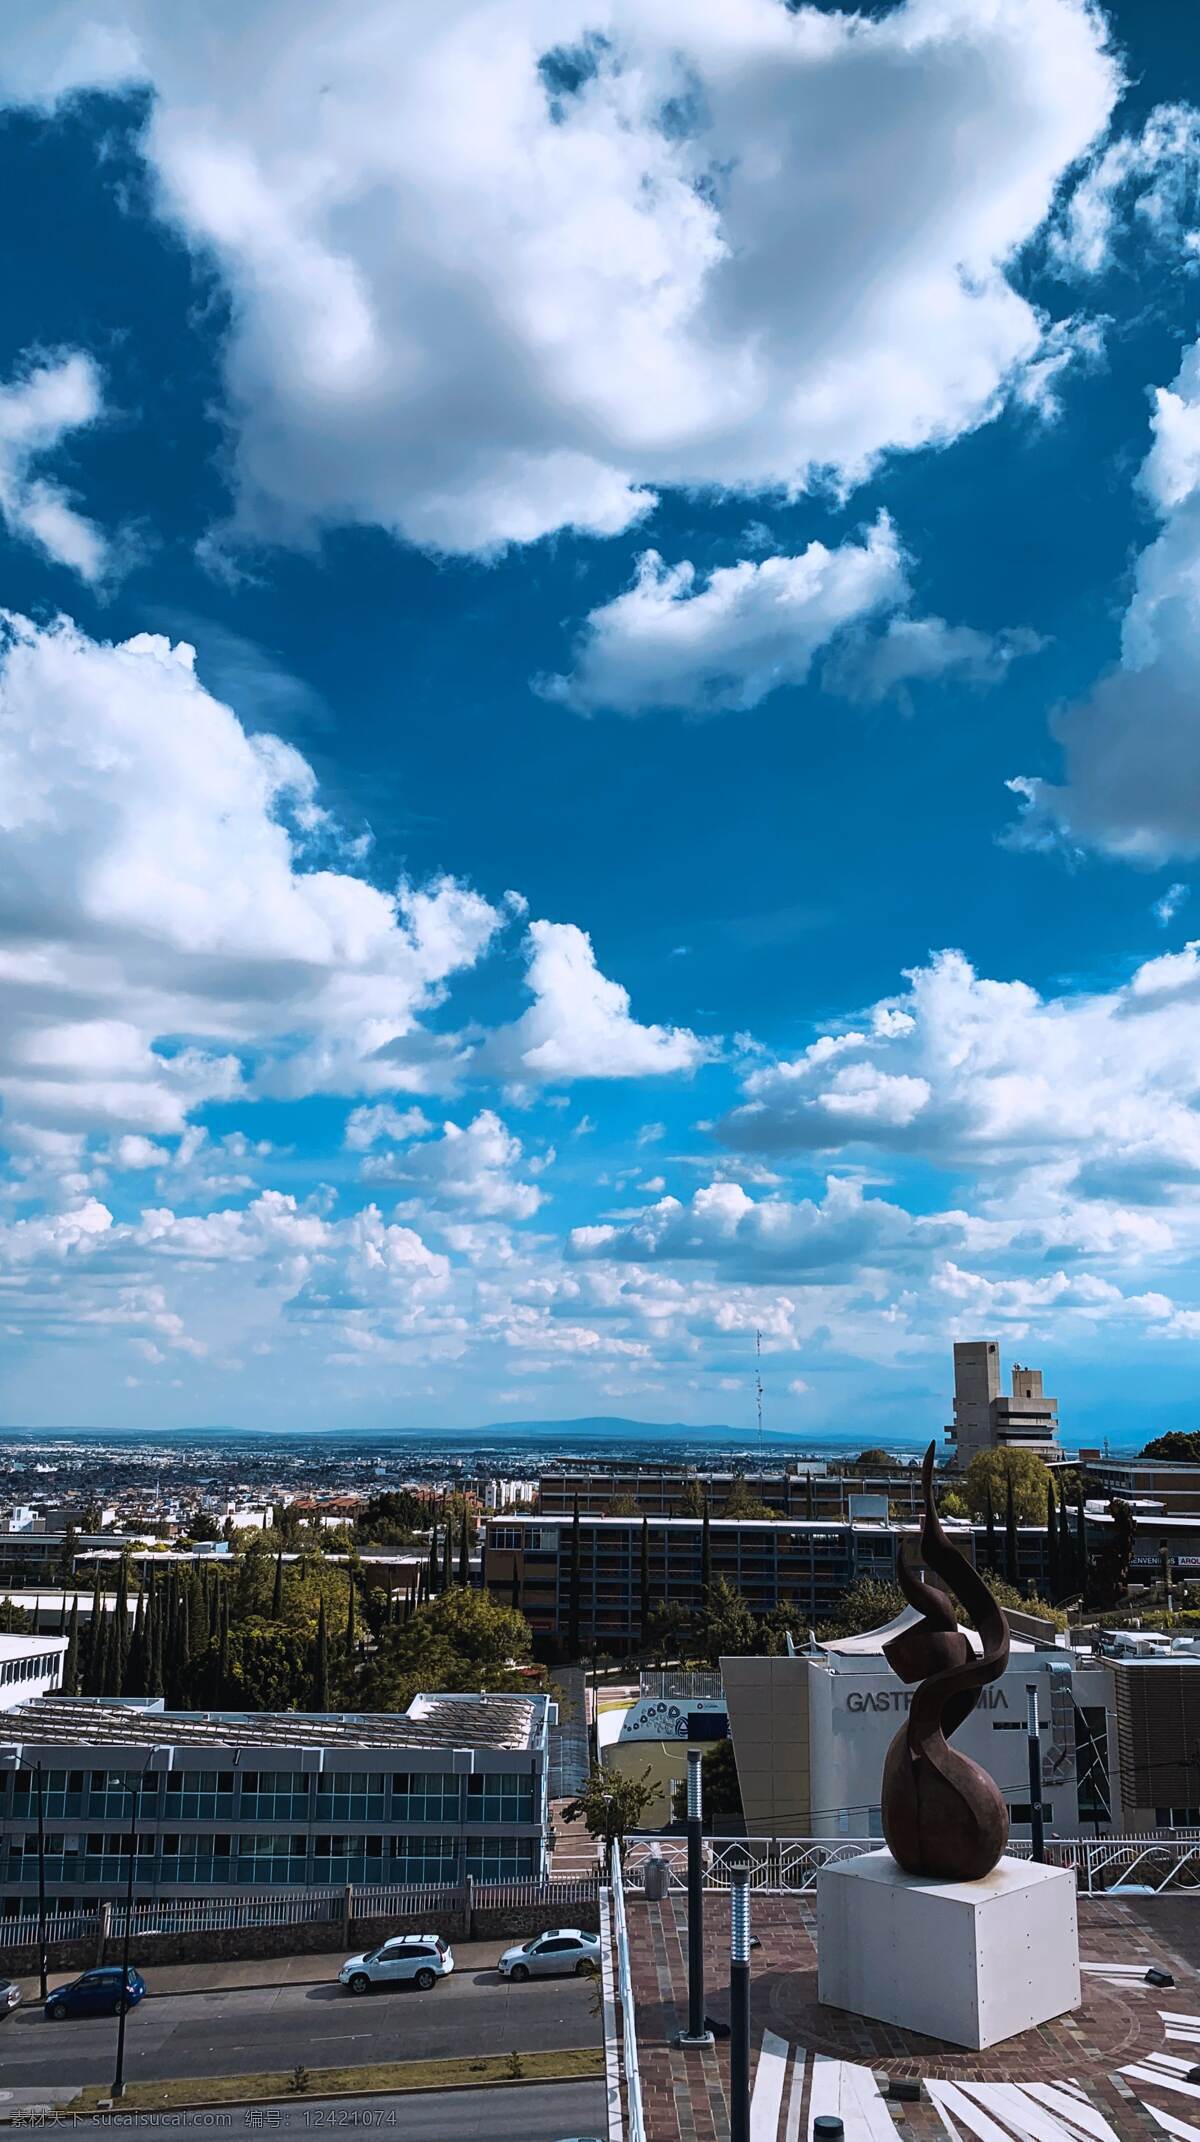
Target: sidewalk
{"x":258,"y":1971}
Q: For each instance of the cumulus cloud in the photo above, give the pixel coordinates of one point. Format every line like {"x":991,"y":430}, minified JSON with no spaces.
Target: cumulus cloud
{"x":158,"y":881}
{"x":919,"y":650}
{"x":472,"y":1167}
{"x":1049,"y":1101}
{"x":1146,"y":184}
{"x":1131,"y":749}
{"x":580,"y":1024}
{"x":804,"y":1240}
{"x":40,"y":407}
{"x":500,"y":270}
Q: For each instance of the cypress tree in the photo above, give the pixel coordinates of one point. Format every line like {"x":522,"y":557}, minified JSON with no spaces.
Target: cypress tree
{"x":573,"y":1594}
{"x":70,"y":1679}
{"x":351,"y":1634}
{"x":1066,"y":1552}
{"x":154,"y":1648}
{"x":1081,"y":1544}
{"x":991,"y":1530}
{"x":810,"y":1500}
{"x":120,"y":1657}
{"x":95,"y":1639}
{"x":62,"y":1615}
{"x":1052,"y":1577}
{"x":104,"y":1663}
{"x":222,"y":1675}
{"x":434,"y":1563}
{"x":514,"y":1593}
{"x":447,"y":1557}
{"x":181,"y":1655}
{"x":706,"y":1545}
{"x":277,"y":1593}
{"x":1010,"y":1536}
{"x":644,"y":1584}
{"x":320,"y":1671}
{"x":133,"y":1681}
{"x":464,"y":1549}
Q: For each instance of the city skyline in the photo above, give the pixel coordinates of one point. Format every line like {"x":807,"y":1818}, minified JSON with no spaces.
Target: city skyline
{"x":598,"y":749}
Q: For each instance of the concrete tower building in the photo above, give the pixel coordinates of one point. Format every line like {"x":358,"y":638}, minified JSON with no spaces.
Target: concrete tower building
{"x":985,"y":1419}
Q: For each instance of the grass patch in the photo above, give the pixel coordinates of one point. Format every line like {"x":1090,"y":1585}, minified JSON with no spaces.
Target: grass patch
{"x":575,"y":2064}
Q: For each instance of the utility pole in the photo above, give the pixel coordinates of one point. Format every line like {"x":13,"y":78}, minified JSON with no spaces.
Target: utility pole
{"x":758,"y":1388}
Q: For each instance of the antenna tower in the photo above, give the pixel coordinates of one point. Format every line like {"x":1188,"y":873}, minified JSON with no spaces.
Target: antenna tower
{"x":758,"y":1385}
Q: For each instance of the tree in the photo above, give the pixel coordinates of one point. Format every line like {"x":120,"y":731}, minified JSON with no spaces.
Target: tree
{"x":66,"y":1555}
{"x":694,"y":1500}
{"x":277,"y":1593}
{"x":1017,"y":1602}
{"x":705,"y":1550}
{"x":622,"y":1506}
{"x":991,"y":1529}
{"x":70,"y":1677}
{"x":202,"y":1526}
{"x":464,"y":1548}
{"x":320,"y":1669}
{"x":461,"y":1640}
{"x":1180,"y":1445}
{"x":726,"y":1625}
{"x":1111,"y":1565}
{"x":610,"y":1805}
{"x":1052,"y":1574}
{"x":872,"y":1460}
{"x":1012,"y":1567}
{"x":720,"y":1787}
{"x":867,"y":1605}
{"x":351,"y":1633}
{"x":741,"y":1502}
{"x":435,"y":1566}
{"x":447,"y":1556}
{"x":810,"y":1499}
{"x":992,"y":1470}
{"x":573,"y":1586}
{"x":1081,"y":1549}
{"x":644,"y":1586}
{"x":1067,"y":1578}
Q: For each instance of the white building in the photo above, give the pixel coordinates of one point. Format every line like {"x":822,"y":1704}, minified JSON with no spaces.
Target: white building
{"x":810,"y":1734}
{"x":29,"y":1666}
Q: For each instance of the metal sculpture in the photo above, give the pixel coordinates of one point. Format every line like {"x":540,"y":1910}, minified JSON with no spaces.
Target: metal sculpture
{"x":943,"y":1817}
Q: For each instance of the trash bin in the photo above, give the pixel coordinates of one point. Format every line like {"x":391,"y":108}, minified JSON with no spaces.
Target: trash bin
{"x":654,"y":1876}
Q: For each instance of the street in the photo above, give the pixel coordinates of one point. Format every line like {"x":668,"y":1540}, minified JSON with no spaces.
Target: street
{"x":247,"y":2030}
{"x":545,"y":2113}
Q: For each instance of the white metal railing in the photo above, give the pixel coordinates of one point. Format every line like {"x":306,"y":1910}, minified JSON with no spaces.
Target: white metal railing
{"x":790,"y":1865}
{"x":633,"y":2079}
{"x":311,"y":1907}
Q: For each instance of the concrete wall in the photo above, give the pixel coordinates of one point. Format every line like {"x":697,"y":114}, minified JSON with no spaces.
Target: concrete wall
{"x":767,"y":1700}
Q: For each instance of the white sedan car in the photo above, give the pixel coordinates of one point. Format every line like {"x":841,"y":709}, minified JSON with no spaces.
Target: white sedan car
{"x":563,"y":1948}
{"x":408,"y":1959}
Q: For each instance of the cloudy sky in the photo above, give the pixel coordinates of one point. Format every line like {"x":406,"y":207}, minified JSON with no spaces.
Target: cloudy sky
{"x":599,"y":709}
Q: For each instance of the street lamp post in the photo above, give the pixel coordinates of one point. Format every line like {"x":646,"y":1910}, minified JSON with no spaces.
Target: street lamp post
{"x":22,"y":1762}
{"x":739,"y":2006}
{"x":697,"y":2032}
{"x":135,"y":1795}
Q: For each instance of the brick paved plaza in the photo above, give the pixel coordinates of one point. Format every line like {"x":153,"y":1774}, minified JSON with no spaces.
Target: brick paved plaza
{"x":1065,"y":2082}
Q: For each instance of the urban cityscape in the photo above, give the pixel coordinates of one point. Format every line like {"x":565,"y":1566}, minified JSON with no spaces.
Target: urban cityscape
{"x":600,"y":1069}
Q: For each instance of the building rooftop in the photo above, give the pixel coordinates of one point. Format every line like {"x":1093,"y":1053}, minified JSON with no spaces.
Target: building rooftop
{"x":431,"y":1721}
{"x":870,"y":1642}
{"x":24,"y":1647}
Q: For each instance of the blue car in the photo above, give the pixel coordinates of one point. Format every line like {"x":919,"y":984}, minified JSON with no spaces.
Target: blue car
{"x":103,"y":1992}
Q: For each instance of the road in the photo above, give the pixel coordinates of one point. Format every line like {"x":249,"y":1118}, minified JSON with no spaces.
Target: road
{"x":547,"y":2113}
{"x":273,"y":2027}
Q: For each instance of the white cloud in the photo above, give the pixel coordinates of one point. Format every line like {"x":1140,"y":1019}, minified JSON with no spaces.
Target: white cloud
{"x":748,"y":630}
{"x":366,"y":1126}
{"x":498,"y":269}
{"x":580,"y":1025}
{"x":1131,"y":749}
{"x":155,"y":883}
{"x":42,"y":404}
{"x":473,"y":1167}
{"x":910,"y":650}
{"x":1146,"y":184}
{"x":1168,"y":905}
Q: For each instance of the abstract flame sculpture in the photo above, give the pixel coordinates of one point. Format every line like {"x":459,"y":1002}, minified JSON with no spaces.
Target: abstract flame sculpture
{"x":943,"y":1816}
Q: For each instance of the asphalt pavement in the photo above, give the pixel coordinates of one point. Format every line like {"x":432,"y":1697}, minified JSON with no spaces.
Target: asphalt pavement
{"x":548,"y":2112}
{"x":251,"y":2029}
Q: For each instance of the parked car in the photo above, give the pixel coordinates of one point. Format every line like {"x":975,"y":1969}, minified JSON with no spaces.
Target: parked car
{"x":563,"y":1948}
{"x":10,"y":1996}
{"x":408,"y":1959}
{"x":103,"y":1992}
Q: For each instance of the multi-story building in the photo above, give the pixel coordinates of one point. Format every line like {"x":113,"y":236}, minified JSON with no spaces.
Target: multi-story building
{"x":1173,"y":1487}
{"x":811,"y":1490}
{"x":30,"y":1666}
{"x":1157,"y":1684}
{"x":456,"y":1786}
{"x":811,"y":1731}
{"x":984,"y":1418}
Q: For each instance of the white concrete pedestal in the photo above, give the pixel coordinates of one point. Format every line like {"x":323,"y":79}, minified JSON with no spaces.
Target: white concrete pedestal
{"x":970,"y":1962}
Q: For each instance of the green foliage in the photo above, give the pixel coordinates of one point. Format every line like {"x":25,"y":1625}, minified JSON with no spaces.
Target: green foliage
{"x":693,"y":1501}
{"x":460,"y":1640}
{"x":725,"y":1625}
{"x":872,"y":1460}
{"x":392,"y":1519}
{"x":201,"y":1526}
{"x":991,"y":1471}
{"x":867,"y":1605}
{"x":1017,"y":1602}
{"x":720,"y":1789}
{"x":742,"y":1502}
{"x":611,"y":1804}
{"x":1180,"y":1445}
{"x":622,"y":1506}
{"x":15,"y":1620}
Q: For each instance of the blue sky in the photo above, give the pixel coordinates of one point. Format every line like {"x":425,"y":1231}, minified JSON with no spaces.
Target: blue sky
{"x":641,"y":485}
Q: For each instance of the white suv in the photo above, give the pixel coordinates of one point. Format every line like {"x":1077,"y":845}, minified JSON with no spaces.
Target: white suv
{"x":563,"y":1948}
{"x":413,"y":1959}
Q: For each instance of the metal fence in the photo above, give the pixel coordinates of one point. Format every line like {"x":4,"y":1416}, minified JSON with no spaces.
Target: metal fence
{"x":305,"y":1907}
{"x":1147,"y":1865}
